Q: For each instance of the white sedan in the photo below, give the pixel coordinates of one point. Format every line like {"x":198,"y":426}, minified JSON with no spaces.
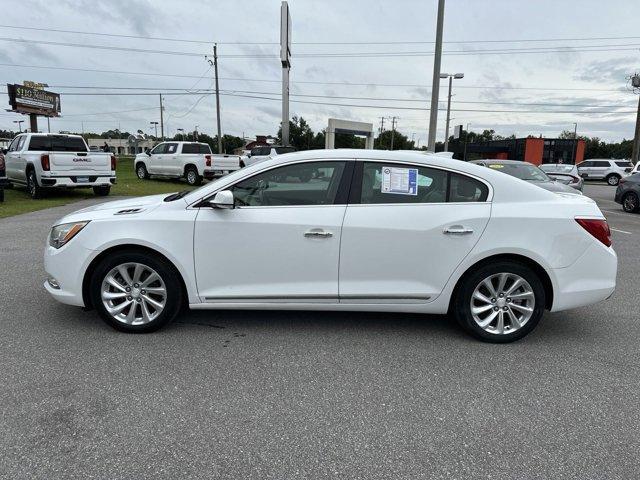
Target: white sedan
{"x":340,"y":230}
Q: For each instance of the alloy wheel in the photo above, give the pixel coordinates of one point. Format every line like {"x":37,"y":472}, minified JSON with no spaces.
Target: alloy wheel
{"x":191,"y":177}
{"x":630,"y":202}
{"x":133,"y":293}
{"x":141,"y":173}
{"x":502,"y":303}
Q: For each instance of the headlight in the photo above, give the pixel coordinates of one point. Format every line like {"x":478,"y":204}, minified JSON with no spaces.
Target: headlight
{"x":61,"y":234}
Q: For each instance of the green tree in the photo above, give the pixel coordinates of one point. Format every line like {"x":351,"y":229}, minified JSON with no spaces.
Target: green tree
{"x":400,"y":141}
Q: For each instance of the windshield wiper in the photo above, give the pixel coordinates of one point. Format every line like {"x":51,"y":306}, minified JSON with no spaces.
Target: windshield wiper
{"x":176,"y":196}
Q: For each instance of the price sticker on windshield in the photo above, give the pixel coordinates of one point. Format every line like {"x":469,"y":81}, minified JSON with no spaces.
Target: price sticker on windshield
{"x":403,"y":181}
{"x":496,"y":166}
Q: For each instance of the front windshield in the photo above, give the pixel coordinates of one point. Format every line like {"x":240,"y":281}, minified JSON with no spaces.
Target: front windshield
{"x":523,"y":171}
{"x":555,"y":167}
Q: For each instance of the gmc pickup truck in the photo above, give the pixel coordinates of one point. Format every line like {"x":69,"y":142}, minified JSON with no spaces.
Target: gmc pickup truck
{"x":189,"y":160}
{"x":43,"y":161}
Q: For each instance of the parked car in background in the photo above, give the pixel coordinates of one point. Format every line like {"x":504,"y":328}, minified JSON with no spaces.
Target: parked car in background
{"x":564,"y":173}
{"x":397,"y":231}
{"x":192,"y":161}
{"x":258,"y":154}
{"x":611,"y":171}
{"x":628,"y":193}
{"x":43,"y":161}
{"x":3,"y":176}
{"x":529,"y":173}
{"x":635,"y":169}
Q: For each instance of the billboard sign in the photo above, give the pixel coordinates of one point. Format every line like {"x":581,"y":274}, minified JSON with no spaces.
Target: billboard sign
{"x":24,"y":99}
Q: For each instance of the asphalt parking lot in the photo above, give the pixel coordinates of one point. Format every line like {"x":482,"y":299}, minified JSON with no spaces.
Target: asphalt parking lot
{"x":276,"y":395}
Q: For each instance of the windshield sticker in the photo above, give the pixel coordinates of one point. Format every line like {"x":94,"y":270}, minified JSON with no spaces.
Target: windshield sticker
{"x":403,"y":181}
{"x":495,"y":165}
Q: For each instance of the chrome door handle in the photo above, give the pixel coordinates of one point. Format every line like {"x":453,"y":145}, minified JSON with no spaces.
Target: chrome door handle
{"x":317,"y":234}
{"x":457,"y":230}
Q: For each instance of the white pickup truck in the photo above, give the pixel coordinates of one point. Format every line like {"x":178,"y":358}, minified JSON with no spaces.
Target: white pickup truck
{"x":192,"y":161}
{"x":41,"y":161}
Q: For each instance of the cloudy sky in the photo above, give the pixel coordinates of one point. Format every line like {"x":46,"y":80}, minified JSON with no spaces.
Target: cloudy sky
{"x":522,"y":60}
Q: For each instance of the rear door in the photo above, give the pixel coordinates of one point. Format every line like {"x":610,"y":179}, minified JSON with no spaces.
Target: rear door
{"x":406,"y":228}
{"x":599,"y":169}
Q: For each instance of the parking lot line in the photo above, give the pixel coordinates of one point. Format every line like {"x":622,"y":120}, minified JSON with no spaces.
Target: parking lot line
{"x":620,"y":231}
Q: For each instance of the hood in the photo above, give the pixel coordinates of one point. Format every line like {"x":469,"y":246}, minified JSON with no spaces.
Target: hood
{"x":557,"y":187}
{"x":128,"y":207}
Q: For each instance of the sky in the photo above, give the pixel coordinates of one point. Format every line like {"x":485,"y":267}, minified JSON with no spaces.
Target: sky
{"x":576,"y":61}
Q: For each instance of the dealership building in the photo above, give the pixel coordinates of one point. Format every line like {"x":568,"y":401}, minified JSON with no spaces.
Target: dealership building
{"x":533,"y":150}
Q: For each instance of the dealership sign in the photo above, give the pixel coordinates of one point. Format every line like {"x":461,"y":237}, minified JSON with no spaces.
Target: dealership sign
{"x":27,"y":99}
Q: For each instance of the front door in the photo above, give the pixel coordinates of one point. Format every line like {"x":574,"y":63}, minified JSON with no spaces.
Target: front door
{"x":280,"y":243}
{"x":406,"y":229}
{"x":154,"y":165}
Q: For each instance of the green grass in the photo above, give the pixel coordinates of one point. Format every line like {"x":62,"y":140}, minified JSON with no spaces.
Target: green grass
{"x":16,"y":200}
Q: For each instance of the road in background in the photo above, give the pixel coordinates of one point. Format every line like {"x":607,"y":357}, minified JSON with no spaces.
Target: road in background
{"x":274,"y":395}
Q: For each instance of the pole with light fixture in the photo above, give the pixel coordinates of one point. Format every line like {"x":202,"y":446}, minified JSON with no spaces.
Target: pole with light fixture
{"x":181,"y":130}
{"x":635,"y":154}
{"x":19,"y":122}
{"x":450,"y":76}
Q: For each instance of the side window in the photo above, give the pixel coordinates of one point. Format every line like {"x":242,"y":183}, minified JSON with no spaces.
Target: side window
{"x":255,"y":151}
{"x":601,"y":164}
{"x":265,"y":151}
{"x":311,"y":183}
{"x":171,"y":148}
{"x":158,"y":149}
{"x":14,"y":144}
{"x":21,"y":142}
{"x":204,"y":148}
{"x":466,"y":189}
{"x":584,"y":164}
{"x":395,"y":183}
{"x":191,"y":148}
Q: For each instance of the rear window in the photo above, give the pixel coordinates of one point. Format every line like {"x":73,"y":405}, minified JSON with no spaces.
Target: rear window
{"x":283,"y":150}
{"x":550,"y":168}
{"x":624,"y":164}
{"x":195,"y":148}
{"x":57,"y":143}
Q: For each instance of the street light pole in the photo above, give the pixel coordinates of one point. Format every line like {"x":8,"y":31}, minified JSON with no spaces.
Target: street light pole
{"x":446,"y":133}
{"x":435,"y":85}
{"x":466,"y":139}
{"x":155,"y":124}
{"x":575,"y":143}
{"x":19,"y":122}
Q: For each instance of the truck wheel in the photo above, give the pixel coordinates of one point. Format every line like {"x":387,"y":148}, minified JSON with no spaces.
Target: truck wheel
{"x":141,"y":171}
{"x":35,"y":191}
{"x":613,"y":179}
{"x":102,"y":191}
{"x":191,"y":174}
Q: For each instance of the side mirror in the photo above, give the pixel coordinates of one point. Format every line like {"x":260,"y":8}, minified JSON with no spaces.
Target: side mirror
{"x":148,"y":152}
{"x":4,"y":151}
{"x":223,"y":199}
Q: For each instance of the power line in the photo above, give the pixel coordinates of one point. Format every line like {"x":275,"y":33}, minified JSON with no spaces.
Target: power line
{"x":375,"y":42}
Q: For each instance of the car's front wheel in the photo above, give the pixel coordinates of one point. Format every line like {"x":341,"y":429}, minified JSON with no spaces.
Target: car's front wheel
{"x":141,"y":172}
{"x":630,"y":202}
{"x":500,"y":302}
{"x":613,"y":180}
{"x":136,"y":292}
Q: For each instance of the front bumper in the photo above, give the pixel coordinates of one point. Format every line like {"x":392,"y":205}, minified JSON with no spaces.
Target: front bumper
{"x":66,"y":267}
{"x":77,"y":181}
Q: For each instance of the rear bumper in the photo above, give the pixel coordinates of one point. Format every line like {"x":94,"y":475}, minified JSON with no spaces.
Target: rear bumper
{"x":219,"y":172}
{"x":589,"y":280}
{"x":77,"y":181}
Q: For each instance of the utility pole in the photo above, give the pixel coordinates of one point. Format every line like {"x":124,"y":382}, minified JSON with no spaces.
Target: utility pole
{"x":575,"y":143}
{"x":215,"y":68}
{"x":381,"y":131}
{"x":635,"y":155}
{"x":393,"y":129}
{"x":435,"y":85}
{"x":446,"y":129}
{"x":161,"y":121}
{"x":466,"y":139}
{"x":285,"y":60}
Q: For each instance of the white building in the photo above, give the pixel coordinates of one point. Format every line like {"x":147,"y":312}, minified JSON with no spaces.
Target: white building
{"x":122,"y":146}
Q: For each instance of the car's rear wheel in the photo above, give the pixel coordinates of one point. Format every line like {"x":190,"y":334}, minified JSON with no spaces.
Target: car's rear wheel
{"x":500,"y":302}
{"x":630,"y":202}
{"x":1,"y":194}
{"x":101,"y":191}
{"x":141,"y":172}
{"x":191,"y":174}
{"x":613,"y":180}
{"x":136,"y":292}
{"x":35,"y":191}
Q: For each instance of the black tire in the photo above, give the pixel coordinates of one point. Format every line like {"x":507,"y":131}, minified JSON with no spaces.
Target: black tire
{"x":101,"y":191}
{"x":34,"y":190}
{"x":461,"y":304}
{"x":141,"y":171}
{"x":192,"y":177}
{"x":630,"y":202}
{"x":613,"y":179}
{"x":1,"y":194}
{"x":166,"y":271}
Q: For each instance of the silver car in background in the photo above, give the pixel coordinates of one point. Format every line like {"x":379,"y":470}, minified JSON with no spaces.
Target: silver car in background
{"x":609,"y":170}
{"x":564,"y":173}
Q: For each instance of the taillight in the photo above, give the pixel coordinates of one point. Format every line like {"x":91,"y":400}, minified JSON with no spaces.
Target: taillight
{"x":599,"y":228}
{"x":44,"y":161}
{"x":207,"y":159}
{"x":113,"y":163}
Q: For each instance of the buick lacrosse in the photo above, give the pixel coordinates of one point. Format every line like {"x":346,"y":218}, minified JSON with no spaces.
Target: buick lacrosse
{"x":340,"y":230}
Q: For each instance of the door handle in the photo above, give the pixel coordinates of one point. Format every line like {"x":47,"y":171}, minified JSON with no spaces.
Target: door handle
{"x":317,"y":234}
{"x":457,"y":230}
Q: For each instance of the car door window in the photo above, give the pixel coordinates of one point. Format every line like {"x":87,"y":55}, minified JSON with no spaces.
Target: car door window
{"x":311,"y":183}
{"x":171,"y":148}
{"x":159,"y":149}
{"x":584,"y":164}
{"x":601,"y":164}
{"x":20,"y":143}
{"x":14,"y":144}
{"x":466,"y":189}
